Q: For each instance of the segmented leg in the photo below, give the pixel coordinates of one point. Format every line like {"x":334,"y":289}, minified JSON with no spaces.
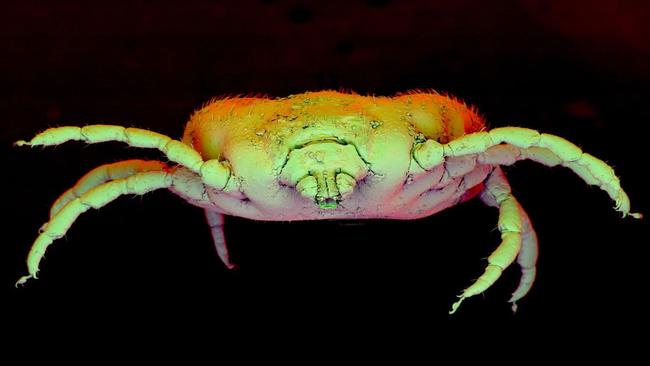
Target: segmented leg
{"x":497,"y":191}
{"x":213,"y":172}
{"x":103,"y":174}
{"x":524,"y":143}
{"x":215,"y":220}
{"x":96,"y":197}
{"x":527,"y":258}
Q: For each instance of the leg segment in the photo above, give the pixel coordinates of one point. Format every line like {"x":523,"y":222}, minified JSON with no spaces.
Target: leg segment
{"x":545,"y":148}
{"x":139,"y":183}
{"x":497,"y":192}
{"x":215,"y":220}
{"x":213,"y":172}
{"x":103,"y":174}
{"x":527,"y":258}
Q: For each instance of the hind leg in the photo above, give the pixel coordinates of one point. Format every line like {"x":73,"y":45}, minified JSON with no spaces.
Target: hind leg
{"x":215,"y":220}
{"x":527,"y":257}
{"x":497,"y":193}
{"x":527,"y":260}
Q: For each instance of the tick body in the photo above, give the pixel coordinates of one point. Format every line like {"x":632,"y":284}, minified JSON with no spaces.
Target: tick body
{"x":339,"y":156}
{"x":331,"y":155}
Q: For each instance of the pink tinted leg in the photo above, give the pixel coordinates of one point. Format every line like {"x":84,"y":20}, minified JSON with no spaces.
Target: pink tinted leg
{"x":216,"y":220}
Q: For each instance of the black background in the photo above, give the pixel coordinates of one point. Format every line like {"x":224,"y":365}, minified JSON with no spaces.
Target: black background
{"x":145,"y":267}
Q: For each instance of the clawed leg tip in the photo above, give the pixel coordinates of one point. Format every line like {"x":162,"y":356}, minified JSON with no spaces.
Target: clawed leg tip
{"x":636,"y":215}
{"x":22,"y":280}
{"x":455,"y":305}
{"x":514,"y":306}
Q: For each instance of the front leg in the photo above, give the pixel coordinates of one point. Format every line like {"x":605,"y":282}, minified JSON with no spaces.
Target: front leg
{"x":516,"y":143}
{"x":213,"y":173}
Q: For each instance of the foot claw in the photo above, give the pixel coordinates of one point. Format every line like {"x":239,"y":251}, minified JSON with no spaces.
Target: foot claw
{"x":22,"y":280}
{"x":232,"y":266}
{"x":455,"y":305}
{"x":514,"y":307}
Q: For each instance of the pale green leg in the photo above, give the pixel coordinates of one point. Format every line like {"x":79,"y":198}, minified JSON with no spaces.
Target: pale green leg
{"x":96,"y":197}
{"x":103,"y":174}
{"x":497,"y":192}
{"x":505,"y":146}
{"x":527,"y":258}
{"x":590,"y":169}
{"x":214,"y":173}
{"x":525,"y":143}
